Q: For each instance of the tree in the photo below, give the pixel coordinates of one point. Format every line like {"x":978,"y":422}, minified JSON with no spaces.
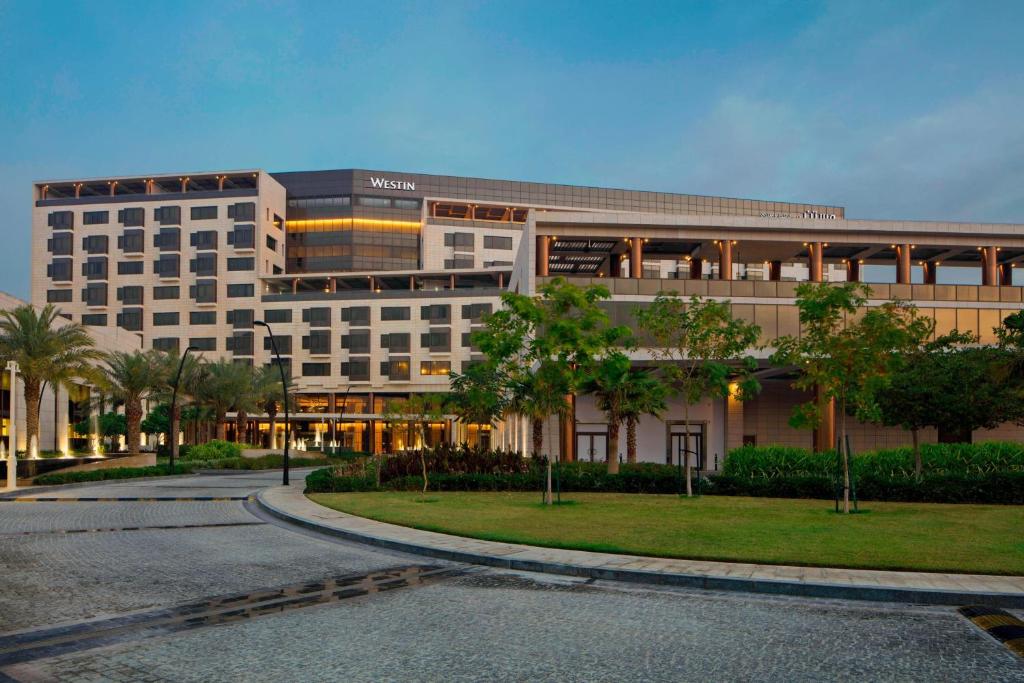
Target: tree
{"x":158,"y":421}
{"x":111,"y":425}
{"x":270,"y":396}
{"x":131,"y":378}
{"x":475,"y":398}
{"x":701,"y":348}
{"x":645,"y":395}
{"x":609,"y":382}
{"x":45,"y":352}
{"x":847,"y":353}
{"x":543,"y":346}
{"x":952,"y":387}
{"x":420,"y":409}
{"x":223,"y":383}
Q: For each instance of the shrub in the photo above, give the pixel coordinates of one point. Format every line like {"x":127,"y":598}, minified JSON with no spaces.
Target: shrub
{"x":271,"y":461}
{"x":451,"y":459}
{"x":213,"y":450}
{"x":112,"y":473}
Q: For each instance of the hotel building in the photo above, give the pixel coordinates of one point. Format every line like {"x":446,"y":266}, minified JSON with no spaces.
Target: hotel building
{"x":373,"y":282}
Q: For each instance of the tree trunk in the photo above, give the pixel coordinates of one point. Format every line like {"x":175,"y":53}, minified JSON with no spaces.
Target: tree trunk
{"x":32,"y":392}
{"x":613,"y":446}
{"x":631,"y":440}
{"x":240,"y":434}
{"x":222,"y":427}
{"x":917,"y":453}
{"x":538,"y":435}
{"x":548,"y":498}
{"x":173,"y":427}
{"x":272,"y":414}
{"x":845,"y":457}
{"x":423,"y":464}
{"x":686,"y":448}
{"x":133,"y":416}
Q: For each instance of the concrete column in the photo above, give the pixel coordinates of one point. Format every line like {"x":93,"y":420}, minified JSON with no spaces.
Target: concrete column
{"x":184,"y":185}
{"x":853,"y":270}
{"x":78,"y":190}
{"x":696,"y":268}
{"x":903,"y":264}
{"x":220,"y":182}
{"x":725,"y":259}
{"x":930,"y":269}
{"x":814,"y":263}
{"x":775,"y":270}
{"x":334,"y":285}
{"x":989,"y":266}
{"x":825,"y":434}
{"x":636,"y":258}
{"x":1006,"y":275}
{"x":501,"y":280}
{"x":295,"y":285}
{"x":113,"y":187}
{"x":45,"y":189}
{"x":543,"y":253}
{"x":451,"y":281}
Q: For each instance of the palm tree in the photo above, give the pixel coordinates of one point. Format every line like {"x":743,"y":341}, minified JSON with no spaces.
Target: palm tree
{"x":44,"y":352}
{"x":131,"y":378}
{"x":536,"y":397}
{"x":269,"y":396}
{"x":645,"y":395}
{"x":609,"y":382}
{"x":191,"y":377}
{"x":223,"y":384}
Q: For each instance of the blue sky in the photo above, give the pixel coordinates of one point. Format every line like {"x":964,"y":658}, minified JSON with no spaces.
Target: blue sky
{"x":891,"y":109}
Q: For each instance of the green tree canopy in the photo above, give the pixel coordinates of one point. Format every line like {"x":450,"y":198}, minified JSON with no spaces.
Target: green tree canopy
{"x":847,"y":351}
{"x":701,"y":349}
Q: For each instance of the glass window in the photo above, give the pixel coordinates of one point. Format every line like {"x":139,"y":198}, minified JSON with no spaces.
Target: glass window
{"x":202,"y":318}
{"x":131,"y":296}
{"x":95,"y":319}
{"x":203,"y":213}
{"x":236,"y":291}
{"x":61,"y":244}
{"x":394,"y":313}
{"x":316,"y":369}
{"x":61,"y":220}
{"x":317,"y":317}
{"x":168,"y":265}
{"x":95,"y":294}
{"x":356,"y":369}
{"x":203,"y":291}
{"x":356,"y":315}
{"x":203,"y":343}
{"x":130,"y":319}
{"x":167,"y":292}
{"x":130,"y":267}
{"x":497,"y":242}
{"x":356,"y":341}
{"x":204,"y":239}
{"x":95,"y":244}
{"x":167,"y":215}
{"x":95,"y":217}
{"x":165,"y":343}
{"x":280,"y":315}
{"x":169,"y":318}
{"x":317,"y":342}
{"x":132,"y":242}
{"x":131,"y":218}
{"x":59,"y":270}
{"x":58,"y":296}
{"x":243,"y":211}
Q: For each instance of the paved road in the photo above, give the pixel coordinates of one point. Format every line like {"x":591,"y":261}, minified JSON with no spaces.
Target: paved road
{"x":470,"y":624}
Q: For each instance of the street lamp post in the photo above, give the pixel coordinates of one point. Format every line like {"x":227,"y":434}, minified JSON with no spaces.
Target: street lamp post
{"x":284,"y":389}
{"x":12,"y":431}
{"x":174,"y":406}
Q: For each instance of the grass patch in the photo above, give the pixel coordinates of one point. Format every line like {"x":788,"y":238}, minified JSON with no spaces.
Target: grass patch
{"x":982,"y":539}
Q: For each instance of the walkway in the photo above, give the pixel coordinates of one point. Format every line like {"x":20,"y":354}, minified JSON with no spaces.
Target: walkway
{"x":860,"y":584}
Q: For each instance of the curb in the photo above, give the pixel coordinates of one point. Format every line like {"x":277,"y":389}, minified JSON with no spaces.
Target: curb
{"x":717,"y":583}
{"x":22,"y":491}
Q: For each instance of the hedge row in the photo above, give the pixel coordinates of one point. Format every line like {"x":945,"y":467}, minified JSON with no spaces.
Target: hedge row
{"x":769,"y":462}
{"x":112,"y":473}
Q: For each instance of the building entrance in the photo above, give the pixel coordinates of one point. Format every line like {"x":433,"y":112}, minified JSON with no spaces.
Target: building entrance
{"x":592,"y":446}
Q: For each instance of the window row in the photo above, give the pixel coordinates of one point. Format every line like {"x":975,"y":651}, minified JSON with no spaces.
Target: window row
{"x":136,"y":216}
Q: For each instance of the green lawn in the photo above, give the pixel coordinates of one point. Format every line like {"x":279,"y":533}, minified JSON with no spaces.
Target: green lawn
{"x":956,"y":538}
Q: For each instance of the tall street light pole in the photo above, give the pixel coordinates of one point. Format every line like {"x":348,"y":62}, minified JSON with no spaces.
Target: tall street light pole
{"x":174,"y":408}
{"x":284,"y":389}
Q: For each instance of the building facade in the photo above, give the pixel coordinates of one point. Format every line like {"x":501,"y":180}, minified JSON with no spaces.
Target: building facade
{"x":374,"y":281}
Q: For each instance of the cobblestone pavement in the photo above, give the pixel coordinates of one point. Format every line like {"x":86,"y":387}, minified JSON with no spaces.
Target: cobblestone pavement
{"x":486,"y":625}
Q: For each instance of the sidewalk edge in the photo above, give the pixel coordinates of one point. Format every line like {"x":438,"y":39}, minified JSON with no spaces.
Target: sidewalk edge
{"x":916,"y":596}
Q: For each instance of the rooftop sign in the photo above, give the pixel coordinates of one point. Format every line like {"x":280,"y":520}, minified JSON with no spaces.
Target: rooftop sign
{"x":385,"y":184}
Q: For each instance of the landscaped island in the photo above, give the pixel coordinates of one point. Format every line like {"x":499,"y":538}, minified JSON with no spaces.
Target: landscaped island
{"x":910,"y":536}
